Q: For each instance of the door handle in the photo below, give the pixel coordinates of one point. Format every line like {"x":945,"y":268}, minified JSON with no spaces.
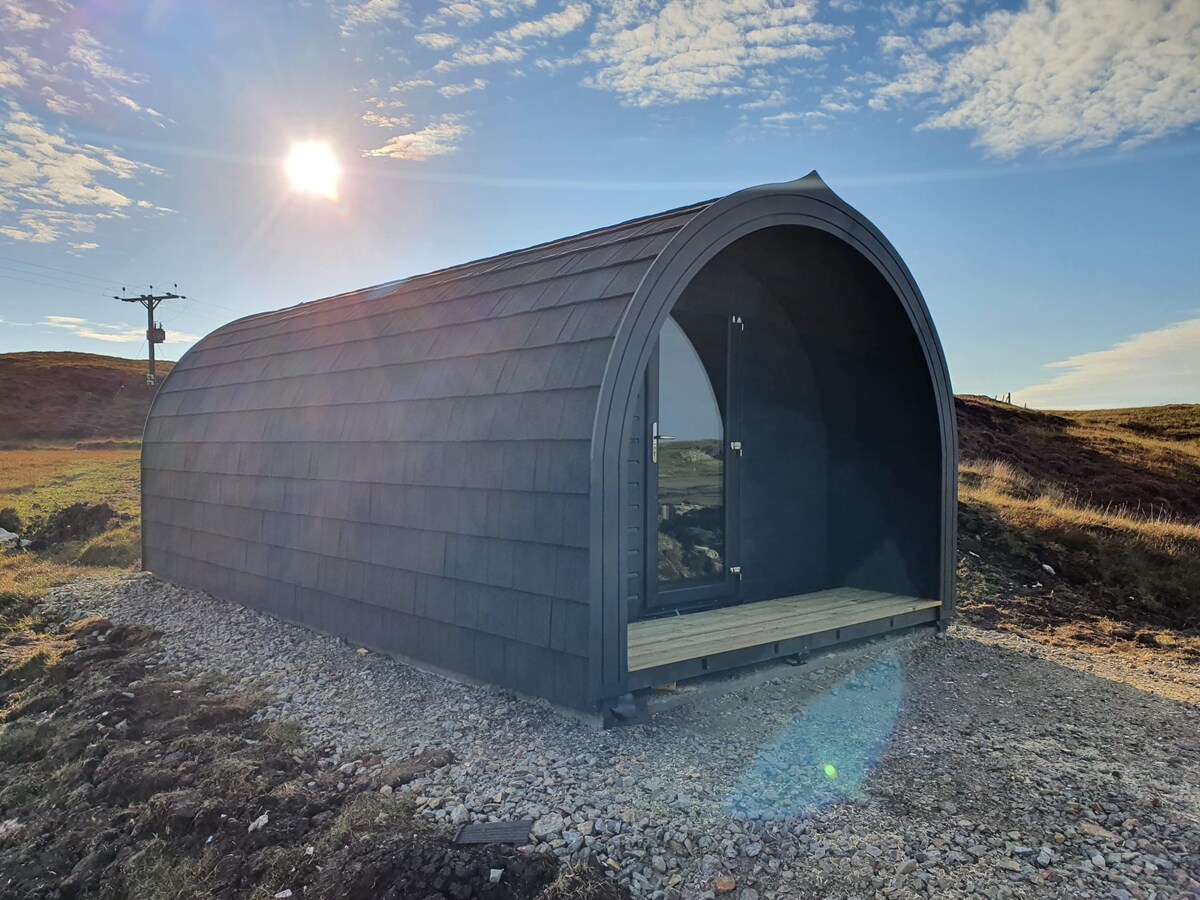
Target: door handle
{"x":654,"y":439}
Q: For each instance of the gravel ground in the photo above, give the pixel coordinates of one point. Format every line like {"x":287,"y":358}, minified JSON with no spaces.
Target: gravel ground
{"x":977,"y":764}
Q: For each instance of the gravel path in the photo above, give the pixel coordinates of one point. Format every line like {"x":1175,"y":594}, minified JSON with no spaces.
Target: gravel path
{"x":978,"y":764}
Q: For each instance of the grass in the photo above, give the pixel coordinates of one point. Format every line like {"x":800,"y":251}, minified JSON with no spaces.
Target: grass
{"x":368,"y":813}
{"x":119,"y":547}
{"x":23,"y":741}
{"x":159,"y":872}
{"x":24,"y":580}
{"x":36,"y":482}
{"x":1174,"y":422}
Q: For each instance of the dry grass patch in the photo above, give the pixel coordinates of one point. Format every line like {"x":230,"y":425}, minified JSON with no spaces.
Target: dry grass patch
{"x":367,"y":813}
{"x":157,"y":871}
{"x":1114,"y":562}
{"x":1001,"y":484}
{"x":578,"y":880}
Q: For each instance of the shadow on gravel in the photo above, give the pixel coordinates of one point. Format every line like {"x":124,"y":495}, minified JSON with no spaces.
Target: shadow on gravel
{"x":1044,"y":770}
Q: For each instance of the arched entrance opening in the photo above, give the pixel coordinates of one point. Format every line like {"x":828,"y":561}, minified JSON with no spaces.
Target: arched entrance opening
{"x":788,"y":436}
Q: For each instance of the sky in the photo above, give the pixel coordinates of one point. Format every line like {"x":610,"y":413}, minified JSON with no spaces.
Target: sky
{"x":1036,"y":164}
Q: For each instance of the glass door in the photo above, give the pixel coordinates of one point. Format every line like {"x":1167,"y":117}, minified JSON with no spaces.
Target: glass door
{"x":692,"y":474}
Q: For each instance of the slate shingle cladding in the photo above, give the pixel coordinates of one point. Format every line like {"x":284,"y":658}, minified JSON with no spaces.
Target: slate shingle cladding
{"x":407,"y":466}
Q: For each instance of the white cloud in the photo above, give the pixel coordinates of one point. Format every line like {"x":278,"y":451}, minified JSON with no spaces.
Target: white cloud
{"x":650,"y":52}
{"x":1054,"y":76}
{"x":69,"y":71}
{"x":481,"y":54}
{"x":905,"y":14}
{"x":790,"y":118}
{"x":52,"y":185}
{"x":10,"y":75}
{"x":87,"y":245}
{"x":121,"y":333}
{"x":472,"y":12}
{"x":372,"y":12}
{"x":436,"y":40}
{"x":954,"y":33}
{"x":16,"y":15}
{"x":509,"y":45}
{"x":382,"y":121}
{"x":436,"y":139}
{"x":1148,"y":369}
{"x":42,"y":226}
{"x":90,"y":55}
{"x":841,"y":99}
{"x":411,"y":84}
{"x":552,"y":25}
{"x":455,"y":90}
{"x":773,"y":99}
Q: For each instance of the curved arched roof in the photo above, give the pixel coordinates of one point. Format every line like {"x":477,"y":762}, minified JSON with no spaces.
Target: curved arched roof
{"x":536,"y":320}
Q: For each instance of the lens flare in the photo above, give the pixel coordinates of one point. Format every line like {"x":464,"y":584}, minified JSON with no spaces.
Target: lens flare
{"x":313,"y":169}
{"x":794,"y":773}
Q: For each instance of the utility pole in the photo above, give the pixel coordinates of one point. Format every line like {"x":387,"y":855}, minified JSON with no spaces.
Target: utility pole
{"x":154,"y":331}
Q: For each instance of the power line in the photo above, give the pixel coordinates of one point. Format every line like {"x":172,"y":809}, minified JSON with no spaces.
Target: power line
{"x":22,"y":262}
{"x":210,"y":314}
{"x":54,"y":279}
{"x":77,"y":282}
{"x":237,"y":312}
{"x":99,"y":292}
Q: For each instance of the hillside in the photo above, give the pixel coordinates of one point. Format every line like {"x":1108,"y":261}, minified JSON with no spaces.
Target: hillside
{"x":1108,"y":500}
{"x":1145,"y":459}
{"x":68,"y":396}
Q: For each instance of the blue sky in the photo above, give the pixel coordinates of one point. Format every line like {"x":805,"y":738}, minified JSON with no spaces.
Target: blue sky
{"x":1036,"y":164}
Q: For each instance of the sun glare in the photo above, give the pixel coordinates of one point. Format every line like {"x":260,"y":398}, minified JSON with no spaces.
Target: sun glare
{"x":313,"y":169}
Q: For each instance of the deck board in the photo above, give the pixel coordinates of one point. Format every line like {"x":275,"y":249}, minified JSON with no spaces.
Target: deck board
{"x":660,"y":642}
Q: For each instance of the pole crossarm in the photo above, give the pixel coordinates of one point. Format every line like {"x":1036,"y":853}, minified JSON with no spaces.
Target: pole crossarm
{"x":154,"y":333}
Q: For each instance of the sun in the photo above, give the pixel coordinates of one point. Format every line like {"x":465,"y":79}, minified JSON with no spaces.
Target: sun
{"x":313,"y":169}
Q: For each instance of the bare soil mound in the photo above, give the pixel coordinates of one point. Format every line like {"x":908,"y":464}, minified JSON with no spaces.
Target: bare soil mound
{"x":120,"y":782}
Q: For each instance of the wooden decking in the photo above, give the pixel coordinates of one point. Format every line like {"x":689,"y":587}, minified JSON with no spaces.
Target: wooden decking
{"x":661,"y":642}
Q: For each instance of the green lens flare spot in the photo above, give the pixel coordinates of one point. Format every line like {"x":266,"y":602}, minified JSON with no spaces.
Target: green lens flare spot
{"x":830,"y":770}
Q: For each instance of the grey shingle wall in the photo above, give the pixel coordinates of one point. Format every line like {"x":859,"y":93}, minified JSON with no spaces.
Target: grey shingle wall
{"x":406,"y":466}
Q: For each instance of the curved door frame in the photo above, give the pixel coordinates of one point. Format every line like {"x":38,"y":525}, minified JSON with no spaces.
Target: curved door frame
{"x":806,"y":202}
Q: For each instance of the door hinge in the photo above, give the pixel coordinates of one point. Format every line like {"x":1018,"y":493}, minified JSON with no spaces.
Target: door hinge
{"x":736,"y":572}
{"x":736,"y":447}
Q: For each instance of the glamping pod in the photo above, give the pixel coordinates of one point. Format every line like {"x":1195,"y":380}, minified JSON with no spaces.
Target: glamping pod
{"x":693,"y":441}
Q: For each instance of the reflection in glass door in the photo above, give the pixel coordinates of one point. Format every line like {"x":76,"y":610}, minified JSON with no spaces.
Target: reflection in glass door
{"x":689,"y":461}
